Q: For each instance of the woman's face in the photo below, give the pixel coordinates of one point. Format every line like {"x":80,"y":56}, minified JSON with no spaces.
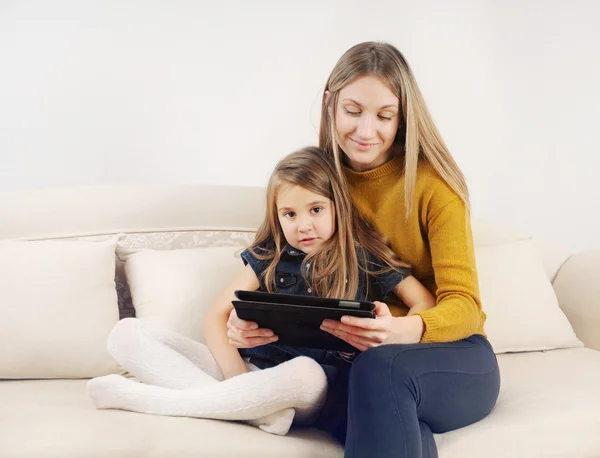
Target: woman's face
{"x":367,"y":118}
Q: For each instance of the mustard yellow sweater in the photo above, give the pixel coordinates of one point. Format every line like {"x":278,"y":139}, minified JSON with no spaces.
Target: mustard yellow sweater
{"x":436,"y":241}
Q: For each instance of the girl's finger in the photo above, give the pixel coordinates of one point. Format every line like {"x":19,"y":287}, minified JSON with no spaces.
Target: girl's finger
{"x":246,"y":334}
{"x":259,"y":341}
{"x":252,"y":342}
{"x":234,"y":320}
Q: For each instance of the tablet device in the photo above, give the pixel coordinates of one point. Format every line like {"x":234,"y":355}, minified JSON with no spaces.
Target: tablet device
{"x":296,"y":320}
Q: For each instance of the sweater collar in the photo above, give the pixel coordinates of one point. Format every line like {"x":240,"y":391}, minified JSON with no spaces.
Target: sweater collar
{"x":394,"y":165}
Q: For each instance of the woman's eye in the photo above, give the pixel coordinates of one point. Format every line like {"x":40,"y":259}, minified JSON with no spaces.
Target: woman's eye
{"x":386,"y":118}
{"x":352,"y":113}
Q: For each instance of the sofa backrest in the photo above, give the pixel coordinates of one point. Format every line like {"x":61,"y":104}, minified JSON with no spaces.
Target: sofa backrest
{"x":63,"y":213}
{"x":137,"y":209}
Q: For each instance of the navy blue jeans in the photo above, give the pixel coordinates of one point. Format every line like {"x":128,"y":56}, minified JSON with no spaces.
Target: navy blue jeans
{"x":398,"y":395}
{"x":392,"y":398}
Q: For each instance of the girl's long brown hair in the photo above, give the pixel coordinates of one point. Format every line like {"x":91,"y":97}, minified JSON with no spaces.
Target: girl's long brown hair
{"x":417,"y":134}
{"x":334,"y":270}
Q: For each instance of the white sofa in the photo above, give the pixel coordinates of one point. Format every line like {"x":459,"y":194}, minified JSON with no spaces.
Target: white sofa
{"x":53,"y":329}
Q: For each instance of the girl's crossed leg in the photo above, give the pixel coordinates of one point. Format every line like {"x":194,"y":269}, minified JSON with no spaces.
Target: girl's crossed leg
{"x":180,"y":377}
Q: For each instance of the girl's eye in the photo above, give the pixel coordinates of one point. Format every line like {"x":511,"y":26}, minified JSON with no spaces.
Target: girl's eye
{"x":352,"y":113}
{"x":317,"y":209}
{"x":289,"y":214}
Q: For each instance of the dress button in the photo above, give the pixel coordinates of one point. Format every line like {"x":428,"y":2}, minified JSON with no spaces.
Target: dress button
{"x":309,"y":290}
{"x":281,"y":280}
{"x":292,"y":252}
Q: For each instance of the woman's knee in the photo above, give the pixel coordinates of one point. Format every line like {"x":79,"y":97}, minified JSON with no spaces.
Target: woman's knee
{"x":376,"y":367}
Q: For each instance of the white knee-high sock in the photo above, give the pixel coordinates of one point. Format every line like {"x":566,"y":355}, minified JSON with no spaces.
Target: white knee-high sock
{"x":160,"y":357}
{"x":299,"y":382}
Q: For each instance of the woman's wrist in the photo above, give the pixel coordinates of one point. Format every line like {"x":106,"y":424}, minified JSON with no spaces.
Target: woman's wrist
{"x":407,"y":329}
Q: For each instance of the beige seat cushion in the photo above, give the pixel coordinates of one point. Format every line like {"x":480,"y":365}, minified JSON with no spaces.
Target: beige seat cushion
{"x":549,"y":406}
{"x":55,"y":419}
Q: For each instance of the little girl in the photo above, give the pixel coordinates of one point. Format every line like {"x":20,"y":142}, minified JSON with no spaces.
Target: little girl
{"x":311,"y":242}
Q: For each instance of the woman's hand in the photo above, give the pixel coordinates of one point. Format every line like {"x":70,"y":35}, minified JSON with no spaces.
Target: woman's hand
{"x":247,"y":334}
{"x":365,"y":333}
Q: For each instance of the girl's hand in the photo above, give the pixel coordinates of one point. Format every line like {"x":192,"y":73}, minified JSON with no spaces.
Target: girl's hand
{"x":247,"y":334}
{"x":365,"y":333}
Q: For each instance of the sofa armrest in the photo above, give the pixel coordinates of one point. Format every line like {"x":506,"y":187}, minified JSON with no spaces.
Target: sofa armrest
{"x":577,"y":288}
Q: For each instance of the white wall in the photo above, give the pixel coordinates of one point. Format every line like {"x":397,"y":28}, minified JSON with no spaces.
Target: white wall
{"x":187,"y":92}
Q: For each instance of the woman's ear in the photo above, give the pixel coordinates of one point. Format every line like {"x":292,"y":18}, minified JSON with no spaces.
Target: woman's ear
{"x":326,"y":99}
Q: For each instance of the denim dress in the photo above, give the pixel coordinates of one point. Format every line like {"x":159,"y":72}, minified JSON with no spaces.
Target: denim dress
{"x":289,"y":280}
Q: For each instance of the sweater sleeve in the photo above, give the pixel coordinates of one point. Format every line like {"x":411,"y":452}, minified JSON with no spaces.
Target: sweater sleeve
{"x":457,"y":313}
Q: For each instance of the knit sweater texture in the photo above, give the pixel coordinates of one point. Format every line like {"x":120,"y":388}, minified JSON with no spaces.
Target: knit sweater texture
{"x":436,"y":240}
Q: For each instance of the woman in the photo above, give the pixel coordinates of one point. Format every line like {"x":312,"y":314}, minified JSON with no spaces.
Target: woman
{"x":432,"y":371}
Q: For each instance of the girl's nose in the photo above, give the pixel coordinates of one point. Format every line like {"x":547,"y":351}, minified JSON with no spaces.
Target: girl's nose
{"x":304,"y":225}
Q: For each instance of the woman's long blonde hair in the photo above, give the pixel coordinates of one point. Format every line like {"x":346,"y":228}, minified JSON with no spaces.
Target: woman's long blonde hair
{"x":417,"y":135}
{"x":334,"y":270}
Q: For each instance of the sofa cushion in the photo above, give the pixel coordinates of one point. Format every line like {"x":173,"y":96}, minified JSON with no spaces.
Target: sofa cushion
{"x":56,"y":419}
{"x":174,"y":288}
{"x":548,"y":407}
{"x":487,"y":232}
{"x":578,"y":292}
{"x":173,"y":240}
{"x":57,"y":305}
{"x":516,"y":294}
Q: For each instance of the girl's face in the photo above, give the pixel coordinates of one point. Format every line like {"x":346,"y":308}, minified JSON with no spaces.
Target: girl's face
{"x":367,"y":118}
{"x":307,"y":219}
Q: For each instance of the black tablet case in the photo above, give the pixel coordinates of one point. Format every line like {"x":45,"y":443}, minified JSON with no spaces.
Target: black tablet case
{"x":296,"y":319}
